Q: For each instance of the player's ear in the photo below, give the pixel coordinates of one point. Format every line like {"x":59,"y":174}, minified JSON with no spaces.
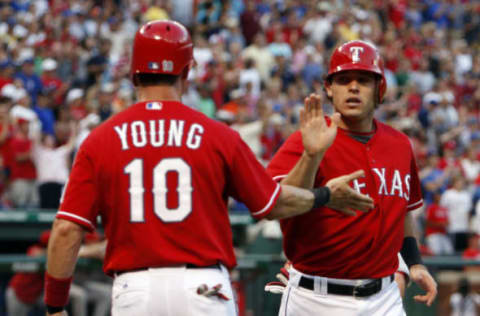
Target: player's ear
{"x":328,"y":89}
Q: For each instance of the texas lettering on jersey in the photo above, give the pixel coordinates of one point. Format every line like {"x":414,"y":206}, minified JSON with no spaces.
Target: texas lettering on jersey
{"x":327,"y":243}
{"x":392,"y":183}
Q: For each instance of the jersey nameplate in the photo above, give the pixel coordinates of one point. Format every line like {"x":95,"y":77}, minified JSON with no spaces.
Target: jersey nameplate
{"x":158,"y":133}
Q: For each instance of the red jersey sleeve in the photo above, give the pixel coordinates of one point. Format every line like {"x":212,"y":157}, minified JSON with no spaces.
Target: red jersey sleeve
{"x":80,"y":195}
{"x":415,"y":200}
{"x":250,"y":183}
{"x":286,"y":157}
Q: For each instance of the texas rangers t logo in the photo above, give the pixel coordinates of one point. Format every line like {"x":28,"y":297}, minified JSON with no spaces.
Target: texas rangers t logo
{"x":355,"y":50}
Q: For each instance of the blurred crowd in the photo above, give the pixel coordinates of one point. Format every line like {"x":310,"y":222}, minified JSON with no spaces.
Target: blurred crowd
{"x":64,"y":69}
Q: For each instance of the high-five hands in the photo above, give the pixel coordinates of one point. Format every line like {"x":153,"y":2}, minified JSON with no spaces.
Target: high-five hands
{"x":317,"y":136}
{"x":345,"y":199}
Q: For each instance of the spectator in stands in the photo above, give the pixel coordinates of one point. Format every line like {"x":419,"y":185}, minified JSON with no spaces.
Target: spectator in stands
{"x":6,"y":73}
{"x":470,"y":165}
{"x":6,"y":129}
{"x":44,"y":111}
{"x":23,"y":187}
{"x":206,"y":104}
{"x":473,"y":251}
{"x":52,"y":83}
{"x":436,"y":228}
{"x":250,"y":21}
{"x":53,"y":166}
{"x":458,"y":202}
{"x":258,"y":51}
{"x":464,"y":301}
{"x":434,"y":179}
{"x":31,"y":81}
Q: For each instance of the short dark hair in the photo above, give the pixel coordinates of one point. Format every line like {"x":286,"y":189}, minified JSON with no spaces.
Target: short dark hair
{"x":4,"y":99}
{"x":149,"y":79}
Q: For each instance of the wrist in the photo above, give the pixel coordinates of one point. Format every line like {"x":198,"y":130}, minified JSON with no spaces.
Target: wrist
{"x":410,"y":253}
{"x":56,"y":293}
{"x":321,"y":196}
{"x":316,"y":156}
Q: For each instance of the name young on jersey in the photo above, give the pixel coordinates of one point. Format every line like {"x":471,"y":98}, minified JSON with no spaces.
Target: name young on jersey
{"x":157,"y":134}
{"x":392,"y":183}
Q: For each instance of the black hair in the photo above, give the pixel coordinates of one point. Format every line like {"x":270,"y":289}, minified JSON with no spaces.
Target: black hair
{"x":4,"y":99}
{"x":149,"y":79}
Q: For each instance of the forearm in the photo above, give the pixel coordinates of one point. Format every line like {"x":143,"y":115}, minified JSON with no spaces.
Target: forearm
{"x":409,"y":226}
{"x":96,"y":250}
{"x":63,"y":248}
{"x":304,"y":172}
{"x":291,"y":202}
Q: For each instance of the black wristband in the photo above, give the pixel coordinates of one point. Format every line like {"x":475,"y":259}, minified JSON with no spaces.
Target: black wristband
{"x":322,"y":196}
{"x":54,"y":309}
{"x":410,"y":252}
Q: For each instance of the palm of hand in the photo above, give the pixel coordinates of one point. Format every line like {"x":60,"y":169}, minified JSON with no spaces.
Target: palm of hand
{"x":424,"y":280}
{"x":316,"y":135}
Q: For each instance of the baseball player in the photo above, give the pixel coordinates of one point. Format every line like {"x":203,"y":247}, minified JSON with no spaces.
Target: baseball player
{"x":343,"y":262}
{"x":159,"y":174}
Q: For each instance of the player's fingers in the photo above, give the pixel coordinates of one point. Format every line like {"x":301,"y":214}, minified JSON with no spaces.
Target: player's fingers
{"x":364,"y":207}
{"x":306,"y":107}
{"x":421,"y":298}
{"x":318,"y":105}
{"x":354,"y":175}
{"x":302,"y":117}
{"x":354,"y":195}
{"x":348,"y":211}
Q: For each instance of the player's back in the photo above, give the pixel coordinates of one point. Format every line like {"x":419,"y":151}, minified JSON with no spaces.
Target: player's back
{"x":162,"y":170}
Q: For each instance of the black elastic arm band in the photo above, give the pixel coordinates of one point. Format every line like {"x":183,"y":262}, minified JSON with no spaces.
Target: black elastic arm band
{"x":54,"y":309}
{"x":322,"y":196}
{"x":410,"y":252}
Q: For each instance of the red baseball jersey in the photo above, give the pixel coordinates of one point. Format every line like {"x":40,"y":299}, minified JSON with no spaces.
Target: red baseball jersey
{"x":327,"y":243}
{"x":159,"y":175}
{"x":436,"y":214}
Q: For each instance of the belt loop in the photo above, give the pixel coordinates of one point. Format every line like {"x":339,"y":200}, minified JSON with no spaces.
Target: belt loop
{"x":386,"y":281}
{"x":323,"y":286}
{"x":316,"y":285}
{"x":294,"y":278}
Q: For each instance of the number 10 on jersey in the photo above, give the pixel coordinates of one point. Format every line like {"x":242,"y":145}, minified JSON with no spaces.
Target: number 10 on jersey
{"x":136,"y":190}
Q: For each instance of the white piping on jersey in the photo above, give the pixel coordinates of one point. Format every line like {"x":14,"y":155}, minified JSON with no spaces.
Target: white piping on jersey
{"x":280,"y":177}
{"x":277,"y":189}
{"x":76,"y":217}
{"x":415,"y":204}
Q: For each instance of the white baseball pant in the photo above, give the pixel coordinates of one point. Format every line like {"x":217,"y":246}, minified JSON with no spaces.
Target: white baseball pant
{"x":298,"y":301}
{"x":172,"y":292}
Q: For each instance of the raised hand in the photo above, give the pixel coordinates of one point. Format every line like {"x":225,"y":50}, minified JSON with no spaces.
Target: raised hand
{"x":420,"y":275}
{"x":317,"y":136}
{"x":345,"y":199}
